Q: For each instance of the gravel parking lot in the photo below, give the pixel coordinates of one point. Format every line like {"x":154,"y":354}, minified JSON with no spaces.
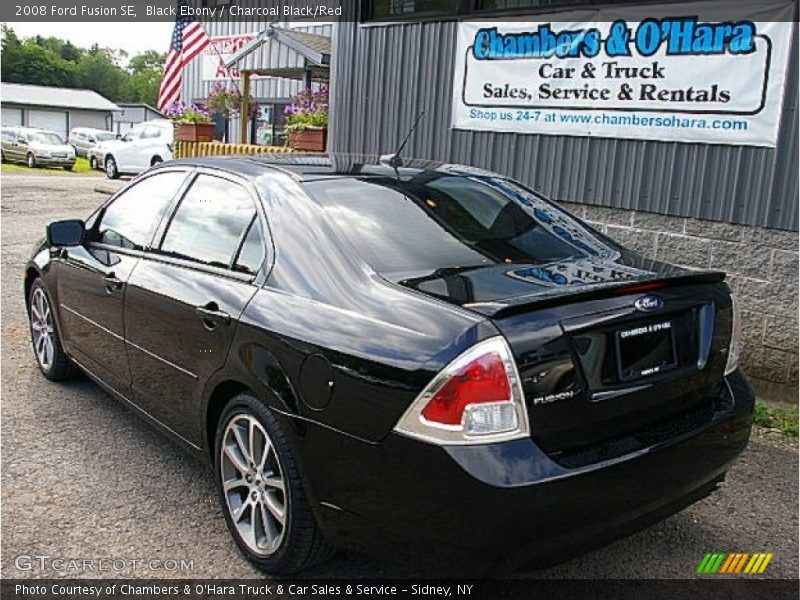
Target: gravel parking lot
{"x":82,"y":477}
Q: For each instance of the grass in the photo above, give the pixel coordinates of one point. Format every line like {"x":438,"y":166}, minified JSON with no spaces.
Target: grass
{"x":780,"y":419}
{"x":81,"y":168}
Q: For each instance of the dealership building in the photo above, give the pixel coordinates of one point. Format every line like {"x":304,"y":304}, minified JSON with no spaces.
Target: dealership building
{"x":683,"y":147}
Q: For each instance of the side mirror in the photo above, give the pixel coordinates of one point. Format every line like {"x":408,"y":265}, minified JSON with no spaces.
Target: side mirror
{"x":65,"y":233}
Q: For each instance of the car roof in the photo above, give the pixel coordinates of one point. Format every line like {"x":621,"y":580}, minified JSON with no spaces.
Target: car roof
{"x":313,"y":167}
{"x":35,"y":130}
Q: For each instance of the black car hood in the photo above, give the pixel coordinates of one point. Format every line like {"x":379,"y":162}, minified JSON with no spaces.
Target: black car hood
{"x":497,"y":288}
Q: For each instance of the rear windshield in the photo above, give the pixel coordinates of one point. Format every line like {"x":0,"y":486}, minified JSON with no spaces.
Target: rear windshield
{"x":439,"y":221}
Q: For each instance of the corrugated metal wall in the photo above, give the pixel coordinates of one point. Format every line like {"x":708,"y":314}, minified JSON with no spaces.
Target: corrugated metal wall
{"x":383,"y":76}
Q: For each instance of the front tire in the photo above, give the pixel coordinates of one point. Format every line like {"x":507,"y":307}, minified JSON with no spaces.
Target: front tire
{"x":53,"y":362}
{"x":261,"y":493}
{"x":93,"y":163}
{"x":31,"y":161}
{"x":112,"y":172}
{"x":68,"y":167}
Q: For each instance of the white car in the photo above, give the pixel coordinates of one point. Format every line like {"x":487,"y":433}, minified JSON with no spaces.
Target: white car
{"x":143,"y":146}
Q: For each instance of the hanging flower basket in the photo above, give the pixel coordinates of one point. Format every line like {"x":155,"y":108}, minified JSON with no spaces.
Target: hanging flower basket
{"x":312,"y":139}
{"x":194,"y":132}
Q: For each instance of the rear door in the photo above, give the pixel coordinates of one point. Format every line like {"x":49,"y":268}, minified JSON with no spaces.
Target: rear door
{"x":19,"y":146}
{"x":92,"y":278}
{"x":185,"y":297}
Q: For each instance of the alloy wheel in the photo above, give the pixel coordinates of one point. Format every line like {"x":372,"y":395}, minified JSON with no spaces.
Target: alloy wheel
{"x":253,"y":484}
{"x":42,"y":328}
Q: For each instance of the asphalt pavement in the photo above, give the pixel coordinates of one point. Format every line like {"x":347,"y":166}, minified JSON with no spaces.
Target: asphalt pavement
{"x":83,"y":478}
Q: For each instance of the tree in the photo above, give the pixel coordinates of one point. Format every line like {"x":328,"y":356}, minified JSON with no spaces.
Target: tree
{"x":98,"y":70}
{"x":149,"y":60}
{"x":28,"y":62}
{"x":53,"y":61}
{"x":142,"y":87}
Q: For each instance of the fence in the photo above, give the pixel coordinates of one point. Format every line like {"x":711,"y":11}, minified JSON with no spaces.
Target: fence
{"x":197,"y":149}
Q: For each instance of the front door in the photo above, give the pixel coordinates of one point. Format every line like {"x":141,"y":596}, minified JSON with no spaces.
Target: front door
{"x":92,"y":278}
{"x":186,"y":296}
{"x":127,"y":154}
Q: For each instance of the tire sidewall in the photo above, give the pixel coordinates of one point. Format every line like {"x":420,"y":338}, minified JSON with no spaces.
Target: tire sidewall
{"x":247,"y":404}
{"x":115,"y":171}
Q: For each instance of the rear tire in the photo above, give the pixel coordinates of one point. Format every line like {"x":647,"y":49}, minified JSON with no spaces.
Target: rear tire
{"x":53,"y":362}
{"x":93,"y":163}
{"x":30,"y":161}
{"x":261,"y":493}
{"x":68,"y":167}
{"x":112,"y":172}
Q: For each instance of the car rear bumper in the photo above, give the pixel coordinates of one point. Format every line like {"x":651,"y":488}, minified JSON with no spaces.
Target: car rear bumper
{"x":509,"y":503}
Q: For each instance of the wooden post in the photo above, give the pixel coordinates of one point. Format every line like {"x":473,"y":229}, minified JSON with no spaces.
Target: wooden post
{"x":244,"y":109}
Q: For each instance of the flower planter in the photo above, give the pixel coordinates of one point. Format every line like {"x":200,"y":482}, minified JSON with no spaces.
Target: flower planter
{"x":194,"y":132}
{"x":309,"y":140}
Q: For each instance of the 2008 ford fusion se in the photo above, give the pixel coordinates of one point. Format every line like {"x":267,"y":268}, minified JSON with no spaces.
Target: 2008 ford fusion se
{"x":398,"y":358}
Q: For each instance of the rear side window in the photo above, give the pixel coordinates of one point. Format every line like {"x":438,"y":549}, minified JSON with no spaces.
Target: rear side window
{"x":151,"y":132}
{"x":132,"y":218}
{"x":211,"y":223}
{"x":253,"y":250}
{"x":440,"y":221}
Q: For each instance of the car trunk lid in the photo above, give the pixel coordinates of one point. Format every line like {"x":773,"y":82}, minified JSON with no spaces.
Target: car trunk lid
{"x":608,"y":364}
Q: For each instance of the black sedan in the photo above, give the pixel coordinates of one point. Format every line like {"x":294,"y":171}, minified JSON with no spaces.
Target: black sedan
{"x":403,"y":359}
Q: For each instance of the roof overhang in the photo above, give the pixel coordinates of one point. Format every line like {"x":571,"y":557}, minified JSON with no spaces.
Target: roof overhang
{"x":306,"y":53}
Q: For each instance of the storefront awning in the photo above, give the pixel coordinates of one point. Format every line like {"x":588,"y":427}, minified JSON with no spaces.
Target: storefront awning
{"x":279,"y":52}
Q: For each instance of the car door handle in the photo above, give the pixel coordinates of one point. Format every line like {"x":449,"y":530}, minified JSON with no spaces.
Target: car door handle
{"x":212,"y":316}
{"x":112,"y":283}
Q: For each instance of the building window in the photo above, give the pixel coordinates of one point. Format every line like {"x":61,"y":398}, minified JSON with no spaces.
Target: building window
{"x":392,"y":9}
{"x":501,"y":5}
{"x":514,"y":4}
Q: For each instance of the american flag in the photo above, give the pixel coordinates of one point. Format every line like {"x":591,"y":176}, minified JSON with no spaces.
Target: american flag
{"x":188,"y":40}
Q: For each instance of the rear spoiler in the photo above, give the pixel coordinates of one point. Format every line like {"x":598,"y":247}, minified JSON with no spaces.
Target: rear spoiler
{"x":567,"y":294}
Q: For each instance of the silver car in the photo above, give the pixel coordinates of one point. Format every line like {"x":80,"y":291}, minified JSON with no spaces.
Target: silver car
{"x":35,"y":147}
{"x":84,"y":138}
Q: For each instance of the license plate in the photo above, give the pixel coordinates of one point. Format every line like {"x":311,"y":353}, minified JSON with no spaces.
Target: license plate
{"x":645,"y":350}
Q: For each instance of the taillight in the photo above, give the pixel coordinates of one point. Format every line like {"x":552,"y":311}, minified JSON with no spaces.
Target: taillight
{"x":477,"y":398}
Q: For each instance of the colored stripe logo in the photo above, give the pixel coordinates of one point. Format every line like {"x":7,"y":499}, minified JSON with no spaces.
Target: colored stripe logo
{"x":733,"y":563}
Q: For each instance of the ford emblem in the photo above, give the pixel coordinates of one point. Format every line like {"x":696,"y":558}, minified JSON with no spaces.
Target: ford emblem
{"x":648,"y":303}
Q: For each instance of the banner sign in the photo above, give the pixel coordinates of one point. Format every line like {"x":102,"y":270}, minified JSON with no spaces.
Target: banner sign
{"x":673,"y":78}
{"x":222,"y":49}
